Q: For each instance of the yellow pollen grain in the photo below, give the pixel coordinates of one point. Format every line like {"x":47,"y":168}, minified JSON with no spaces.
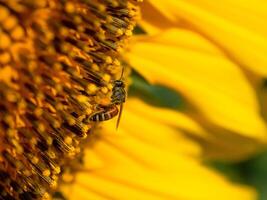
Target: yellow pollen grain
{"x":95,"y":67}
{"x":26,"y":173}
{"x":11,"y":132}
{"x":119,"y":32}
{"x":40,"y":96}
{"x":116,"y":62}
{"x":38,"y":112}
{"x":5,"y":58}
{"x":35,"y":160}
{"x":49,"y":36}
{"x":109,"y":19}
{"x":92,"y":88}
{"x":10,"y":23}
{"x":84,"y":136}
{"x":33,"y":141}
{"x":115,"y":4}
{"x":110,"y":86}
{"x":58,"y":88}
{"x":71,"y":149}
{"x":59,"y":106}
{"x":128,"y":33}
{"x":9,"y":120}
{"x":101,"y":35}
{"x":4,"y":13}
{"x":56,"y":124}
{"x":40,"y":3}
{"x":88,"y":111}
{"x":86,"y":48}
{"x":101,"y":7}
{"x":49,"y":140}
{"x":51,"y":154}
{"x":32,"y":65}
{"x":103,"y":101}
{"x":71,"y":154}
{"x":51,"y":50}
{"x":40,"y":127}
{"x":130,"y":27}
{"x":131,"y":13}
{"x":65,"y":48}
{"x":82,"y":98}
{"x":46,"y":196}
{"x":71,"y":121}
{"x":63,"y":31}
{"x":69,"y":7}
{"x":11,"y":97}
{"x":108,"y":60}
{"x":46,"y":172}
{"x":54,"y":177}
{"x":57,"y":170}
{"x":104,"y":90}
{"x":81,"y":28}
{"x":106,"y":77}
{"x":37,"y":79}
{"x":17,"y":33}
{"x":76,"y":142}
{"x":19,"y":149}
{"x":53,"y":184}
{"x":5,"y":41}
{"x":77,"y":19}
{"x":97,"y":24}
{"x":68,"y":140}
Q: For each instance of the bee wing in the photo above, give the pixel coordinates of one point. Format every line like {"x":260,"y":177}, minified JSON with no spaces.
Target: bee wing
{"x":119,"y":116}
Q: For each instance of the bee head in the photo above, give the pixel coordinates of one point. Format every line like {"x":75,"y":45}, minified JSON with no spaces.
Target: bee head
{"x":118,"y":83}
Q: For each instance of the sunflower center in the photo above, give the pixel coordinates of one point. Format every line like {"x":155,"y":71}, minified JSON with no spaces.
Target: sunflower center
{"x":58,"y":60}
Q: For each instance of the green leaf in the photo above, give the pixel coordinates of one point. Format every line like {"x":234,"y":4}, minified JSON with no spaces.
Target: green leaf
{"x":155,"y":95}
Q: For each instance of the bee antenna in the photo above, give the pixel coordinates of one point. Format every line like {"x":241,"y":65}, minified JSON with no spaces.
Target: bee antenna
{"x":122,"y":71}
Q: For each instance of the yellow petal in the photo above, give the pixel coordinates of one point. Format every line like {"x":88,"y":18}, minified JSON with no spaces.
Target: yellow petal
{"x":152,"y":133}
{"x":134,"y":148}
{"x":245,"y":13}
{"x":127,"y":177}
{"x":91,"y":160}
{"x":215,"y":143}
{"x":163,"y":116}
{"x":154,"y":26}
{"x":238,"y":37}
{"x":145,"y":159}
{"x":181,"y":134}
{"x":216,"y":86}
{"x":183,"y":38}
{"x":75,"y":191}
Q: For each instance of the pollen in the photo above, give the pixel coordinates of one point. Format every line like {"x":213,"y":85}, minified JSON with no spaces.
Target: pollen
{"x":57,"y":62}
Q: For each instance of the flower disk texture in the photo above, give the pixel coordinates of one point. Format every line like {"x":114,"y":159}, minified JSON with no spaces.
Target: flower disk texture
{"x":57,"y":63}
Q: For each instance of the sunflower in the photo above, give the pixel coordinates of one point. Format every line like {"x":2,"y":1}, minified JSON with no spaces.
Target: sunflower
{"x":192,"y":98}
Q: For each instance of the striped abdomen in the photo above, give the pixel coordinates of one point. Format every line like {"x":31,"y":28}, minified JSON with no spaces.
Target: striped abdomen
{"x":108,"y":113}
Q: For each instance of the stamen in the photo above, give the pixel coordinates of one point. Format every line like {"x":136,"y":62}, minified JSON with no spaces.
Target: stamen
{"x":58,"y":60}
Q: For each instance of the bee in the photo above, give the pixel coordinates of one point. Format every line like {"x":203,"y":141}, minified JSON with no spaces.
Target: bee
{"x":105,"y":113}
{"x":117,"y":99}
